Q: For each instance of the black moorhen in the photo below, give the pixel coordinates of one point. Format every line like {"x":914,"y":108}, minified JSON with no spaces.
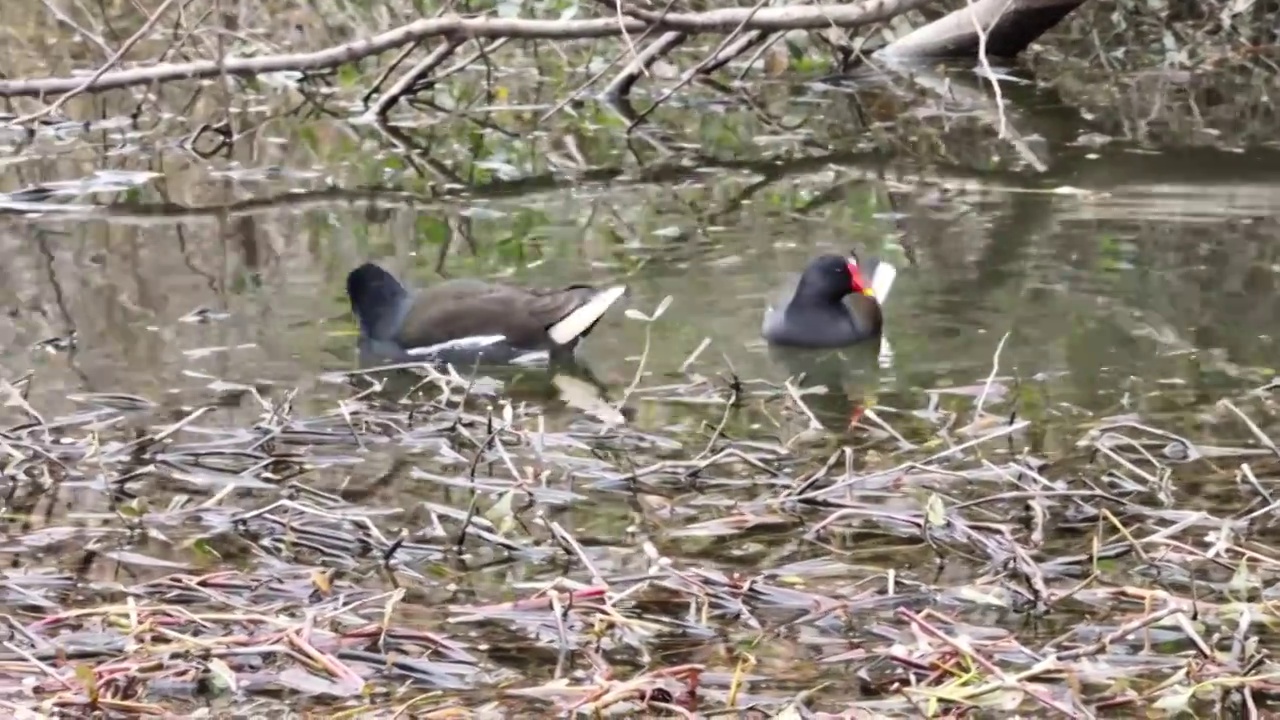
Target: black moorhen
{"x":816,"y":316}
{"x":462,"y":321}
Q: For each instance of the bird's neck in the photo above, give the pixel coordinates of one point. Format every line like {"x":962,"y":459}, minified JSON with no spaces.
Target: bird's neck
{"x":381,"y":308}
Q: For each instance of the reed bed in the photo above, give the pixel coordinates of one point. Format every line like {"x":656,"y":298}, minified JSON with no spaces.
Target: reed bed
{"x":920,"y":562}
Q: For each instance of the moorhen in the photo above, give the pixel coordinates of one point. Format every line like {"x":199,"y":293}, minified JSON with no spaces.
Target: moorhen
{"x":462,"y":321}
{"x":816,"y":315}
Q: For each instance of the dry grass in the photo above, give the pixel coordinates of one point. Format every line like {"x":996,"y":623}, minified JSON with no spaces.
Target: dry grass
{"x":932,"y":567}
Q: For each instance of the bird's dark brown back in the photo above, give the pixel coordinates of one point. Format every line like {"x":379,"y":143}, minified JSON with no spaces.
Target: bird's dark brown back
{"x":466,"y":307}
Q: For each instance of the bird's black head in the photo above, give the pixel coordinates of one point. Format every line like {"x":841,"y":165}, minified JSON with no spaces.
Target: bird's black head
{"x":829,"y":278}
{"x":376,"y":297}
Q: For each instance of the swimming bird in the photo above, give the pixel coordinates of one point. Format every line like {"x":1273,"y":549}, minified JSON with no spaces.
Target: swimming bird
{"x":462,"y":321}
{"x":809,"y":331}
{"x":815,"y":314}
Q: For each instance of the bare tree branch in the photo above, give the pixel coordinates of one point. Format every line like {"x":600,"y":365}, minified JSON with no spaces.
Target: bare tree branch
{"x":405,"y":84}
{"x":622,"y":82}
{"x":995,"y":27}
{"x":714,"y":21}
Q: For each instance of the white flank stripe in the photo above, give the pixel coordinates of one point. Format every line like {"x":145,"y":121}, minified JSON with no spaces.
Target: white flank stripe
{"x":579,"y":320}
{"x":535,"y":357}
{"x":882,"y":280}
{"x":474,"y":342}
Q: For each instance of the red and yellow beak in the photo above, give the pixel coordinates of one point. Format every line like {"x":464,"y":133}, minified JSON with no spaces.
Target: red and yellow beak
{"x":859,"y":283}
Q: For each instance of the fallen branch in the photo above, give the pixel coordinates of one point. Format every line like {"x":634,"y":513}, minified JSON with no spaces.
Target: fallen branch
{"x":692,"y":72}
{"x":622,"y":82}
{"x":405,"y":84}
{"x":808,"y":17}
{"x":1000,"y":27}
{"x":1009,"y":25}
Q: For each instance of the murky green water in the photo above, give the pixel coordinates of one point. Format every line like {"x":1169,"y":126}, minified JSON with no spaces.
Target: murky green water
{"x":1126,"y":275}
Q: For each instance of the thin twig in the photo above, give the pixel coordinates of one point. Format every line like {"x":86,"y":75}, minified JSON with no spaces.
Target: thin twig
{"x":90,"y":81}
{"x":986,"y":387}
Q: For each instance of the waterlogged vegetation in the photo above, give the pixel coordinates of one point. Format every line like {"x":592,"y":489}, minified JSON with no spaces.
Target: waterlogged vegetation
{"x":1056,"y":498}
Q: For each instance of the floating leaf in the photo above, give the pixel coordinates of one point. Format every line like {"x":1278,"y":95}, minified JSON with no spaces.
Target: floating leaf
{"x":1174,"y":700}
{"x":222,"y":675}
{"x":935,"y":512}
{"x":502,"y":513}
{"x":203,"y":548}
{"x":978,"y":597}
{"x":88,"y":680}
{"x":662,"y":307}
{"x":1241,"y":581}
{"x":135,"y":508}
{"x":323,"y":581}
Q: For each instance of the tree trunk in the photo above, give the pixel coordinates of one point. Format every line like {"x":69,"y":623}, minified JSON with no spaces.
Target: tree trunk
{"x":1010,"y":26}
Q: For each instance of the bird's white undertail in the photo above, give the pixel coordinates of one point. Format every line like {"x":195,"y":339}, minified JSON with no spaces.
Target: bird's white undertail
{"x":576,"y":322}
{"x":881,"y":283}
{"x":882,"y":280}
